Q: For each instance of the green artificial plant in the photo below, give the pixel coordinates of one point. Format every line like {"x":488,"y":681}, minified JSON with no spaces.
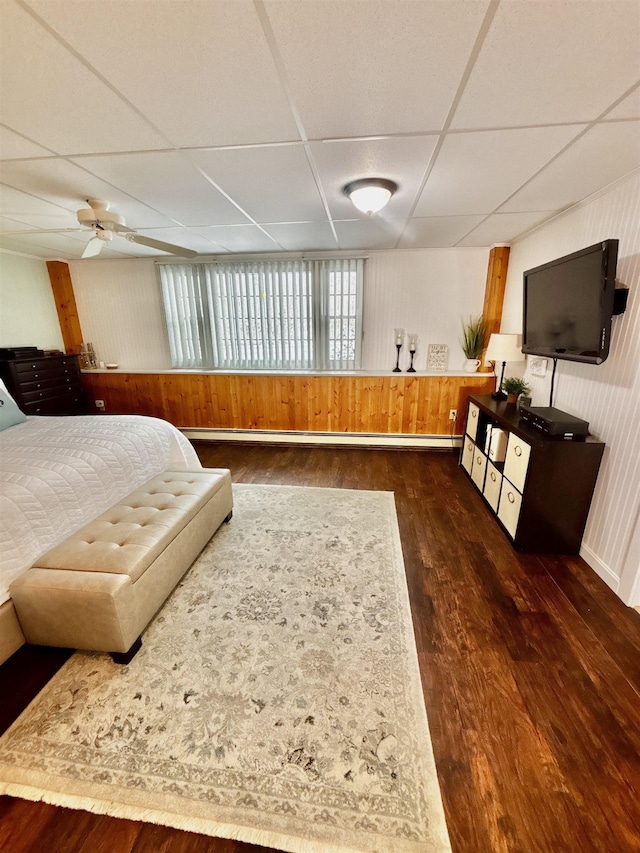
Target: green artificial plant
{"x":472,"y":341}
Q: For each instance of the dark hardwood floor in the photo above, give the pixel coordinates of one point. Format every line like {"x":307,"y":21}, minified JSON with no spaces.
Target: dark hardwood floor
{"x":530,"y":667}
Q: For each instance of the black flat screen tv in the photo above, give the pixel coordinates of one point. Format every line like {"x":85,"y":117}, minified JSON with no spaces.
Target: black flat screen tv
{"x":568,"y":304}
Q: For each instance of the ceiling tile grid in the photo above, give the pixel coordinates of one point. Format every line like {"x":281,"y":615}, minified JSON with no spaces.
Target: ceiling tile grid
{"x":232,"y":126}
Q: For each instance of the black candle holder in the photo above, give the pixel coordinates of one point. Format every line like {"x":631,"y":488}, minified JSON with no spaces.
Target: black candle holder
{"x":411,"y":368}
{"x":396,"y":369}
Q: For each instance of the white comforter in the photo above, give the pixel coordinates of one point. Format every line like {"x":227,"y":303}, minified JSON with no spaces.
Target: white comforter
{"x":56,"y":474}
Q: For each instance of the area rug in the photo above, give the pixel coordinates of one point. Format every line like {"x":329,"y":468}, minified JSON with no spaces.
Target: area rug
{"x":276,"y":698}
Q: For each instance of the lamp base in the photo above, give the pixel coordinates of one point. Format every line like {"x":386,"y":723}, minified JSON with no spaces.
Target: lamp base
{"x":498,"y":395}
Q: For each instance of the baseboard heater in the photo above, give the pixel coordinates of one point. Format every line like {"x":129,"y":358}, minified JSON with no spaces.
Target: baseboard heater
{"x":362,"y":439}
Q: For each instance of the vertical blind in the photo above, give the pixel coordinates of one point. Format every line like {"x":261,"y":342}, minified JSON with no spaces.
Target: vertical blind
{"x":300,"y":314}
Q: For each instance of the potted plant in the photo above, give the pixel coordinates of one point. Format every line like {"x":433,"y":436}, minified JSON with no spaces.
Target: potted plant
{"x":472,"y":341}
{"x":513,"y":386}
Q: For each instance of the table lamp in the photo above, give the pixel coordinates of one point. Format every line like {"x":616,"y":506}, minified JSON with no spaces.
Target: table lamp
{"x":503,"y":348}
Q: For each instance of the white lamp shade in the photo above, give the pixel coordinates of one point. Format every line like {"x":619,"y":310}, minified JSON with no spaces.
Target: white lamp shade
{"x":504,"y":348}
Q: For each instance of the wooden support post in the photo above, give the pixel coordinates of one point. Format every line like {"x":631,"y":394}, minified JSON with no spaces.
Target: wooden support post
{"x":65,"y":300}
{"x":494,"y":295}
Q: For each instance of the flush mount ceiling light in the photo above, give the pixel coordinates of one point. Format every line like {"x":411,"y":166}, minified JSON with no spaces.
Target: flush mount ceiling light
{"x":370,"y":195}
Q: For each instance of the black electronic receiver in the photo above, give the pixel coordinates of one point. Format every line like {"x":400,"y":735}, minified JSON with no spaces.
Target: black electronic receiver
{"x":553,"y":422}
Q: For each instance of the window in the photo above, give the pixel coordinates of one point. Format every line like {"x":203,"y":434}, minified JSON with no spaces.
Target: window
{"x":285,"y":315}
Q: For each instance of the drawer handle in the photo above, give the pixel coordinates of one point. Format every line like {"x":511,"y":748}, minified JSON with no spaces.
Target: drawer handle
{"x":511,"y":497}
{"x":493,"y":476}
{"x":474,"y":414}
{"x":517,"y":450}
{"x":478,"y":459}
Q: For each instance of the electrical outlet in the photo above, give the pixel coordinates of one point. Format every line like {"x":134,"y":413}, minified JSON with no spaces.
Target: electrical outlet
{"x":99,"y":404}
{"x":537,"y":366}
{"x":453,"y":414}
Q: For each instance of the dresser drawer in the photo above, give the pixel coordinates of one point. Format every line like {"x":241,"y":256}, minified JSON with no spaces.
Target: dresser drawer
{"x":59,"y":391}
{"x":44,"y":364}
{"x":70,"y":404}
{"x":50,"y":382}
{"x":44,"y":373}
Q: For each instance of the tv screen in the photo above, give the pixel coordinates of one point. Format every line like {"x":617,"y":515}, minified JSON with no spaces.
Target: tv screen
{"x":568,"y":305}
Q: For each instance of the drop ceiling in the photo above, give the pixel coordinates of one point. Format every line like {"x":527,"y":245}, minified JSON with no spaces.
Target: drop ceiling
{"x":232,"y":125}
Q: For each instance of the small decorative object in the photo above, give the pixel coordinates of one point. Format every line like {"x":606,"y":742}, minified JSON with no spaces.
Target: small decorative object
{"x":399,"y":333}
{"x":472,"y":341}
{"x":87,"y":357}
{"x":438,"y":357}
{"x":513,"y":386}
{"x":111,"y":365}
{"x":413,"y":345}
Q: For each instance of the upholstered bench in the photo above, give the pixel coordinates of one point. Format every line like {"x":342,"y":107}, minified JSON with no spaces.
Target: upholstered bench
{"x":100,"y":588}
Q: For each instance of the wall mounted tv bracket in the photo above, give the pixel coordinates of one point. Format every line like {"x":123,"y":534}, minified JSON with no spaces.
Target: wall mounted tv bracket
{"x":620,"y":296}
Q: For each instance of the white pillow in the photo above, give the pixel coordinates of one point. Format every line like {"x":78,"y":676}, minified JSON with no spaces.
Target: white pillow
{"x":10,"y":414}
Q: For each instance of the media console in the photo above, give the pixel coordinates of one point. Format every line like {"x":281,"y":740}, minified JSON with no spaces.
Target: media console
{"x":538,"y":486}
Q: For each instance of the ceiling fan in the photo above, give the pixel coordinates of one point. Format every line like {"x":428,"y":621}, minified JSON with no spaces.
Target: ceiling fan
{"x":105,"y":223}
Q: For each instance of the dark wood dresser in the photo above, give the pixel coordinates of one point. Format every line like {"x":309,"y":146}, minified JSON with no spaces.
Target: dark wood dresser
{"x":45,"y":385}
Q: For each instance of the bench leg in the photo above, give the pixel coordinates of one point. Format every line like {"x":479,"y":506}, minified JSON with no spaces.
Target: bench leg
{"x":229,"y":517}
{"x":126,"y":657}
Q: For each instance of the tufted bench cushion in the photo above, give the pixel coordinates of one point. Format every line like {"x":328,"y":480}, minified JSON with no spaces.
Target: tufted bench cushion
{"x":100,"y":587}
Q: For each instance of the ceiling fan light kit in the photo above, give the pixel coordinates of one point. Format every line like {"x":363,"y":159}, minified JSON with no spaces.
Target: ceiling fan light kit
{"x":370,"y":195}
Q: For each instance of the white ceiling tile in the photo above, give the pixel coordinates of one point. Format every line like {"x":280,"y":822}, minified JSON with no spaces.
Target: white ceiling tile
{"x":475,"y":172}
{"x":69,"y":185}
{"x":13,"y":225}
{"x":400,"y":159}
{"x":57,"y":244}
{"x":369,"y":233}
{"x":628,"y":108}
{"x":168,"y":182}
{"x":22,"y":206}
{"x":201,"y":71}
{"x":605,"y":153}
{"x":240,"y":238}
{"x":27,"y":247}
{"x":547,"y":61}
{"x":436,"y":232}
{"x":360,"y":68}
{"x":55,"y":100}
{"x":503,"y":228}
{"x":188,"y":238}
{"x":303,"y":236}
{"x":13,"y":145}
{"x":273,"y":184}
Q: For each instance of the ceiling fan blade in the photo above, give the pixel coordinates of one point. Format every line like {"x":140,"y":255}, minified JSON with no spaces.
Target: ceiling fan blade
{"x":93,"y":248}
{"x":163,"y":247}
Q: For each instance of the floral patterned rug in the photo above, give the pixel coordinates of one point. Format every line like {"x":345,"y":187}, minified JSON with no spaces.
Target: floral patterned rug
{"x":276,"y":698}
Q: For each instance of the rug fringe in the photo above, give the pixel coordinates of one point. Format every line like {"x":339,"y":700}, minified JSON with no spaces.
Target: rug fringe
{"x":261,"y":837}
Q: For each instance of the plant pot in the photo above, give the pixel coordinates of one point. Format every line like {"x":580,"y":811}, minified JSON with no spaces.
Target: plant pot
{"x":471,"y":365}
{"x":512,"y":399}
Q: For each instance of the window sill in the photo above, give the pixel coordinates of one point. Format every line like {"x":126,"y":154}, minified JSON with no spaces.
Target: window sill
{"x":195,"y":372}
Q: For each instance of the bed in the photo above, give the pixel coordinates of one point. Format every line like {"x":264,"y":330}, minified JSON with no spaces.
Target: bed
{"x":58,"y":473}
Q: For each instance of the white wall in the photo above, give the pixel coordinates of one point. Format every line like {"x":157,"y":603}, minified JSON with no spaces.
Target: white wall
{"x":426,"y":291}
{"x":120,"y":312}
{"x":28,"y":315}
{"x":607,"y":395}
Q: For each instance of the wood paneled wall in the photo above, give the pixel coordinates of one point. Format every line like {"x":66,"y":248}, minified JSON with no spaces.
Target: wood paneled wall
{"x":351,"y":404}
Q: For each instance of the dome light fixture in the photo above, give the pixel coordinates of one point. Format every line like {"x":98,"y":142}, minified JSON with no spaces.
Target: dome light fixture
{"x":370,"y":195}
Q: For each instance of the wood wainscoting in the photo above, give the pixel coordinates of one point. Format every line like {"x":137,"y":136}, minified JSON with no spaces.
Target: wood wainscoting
{"x":415,"y":405}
